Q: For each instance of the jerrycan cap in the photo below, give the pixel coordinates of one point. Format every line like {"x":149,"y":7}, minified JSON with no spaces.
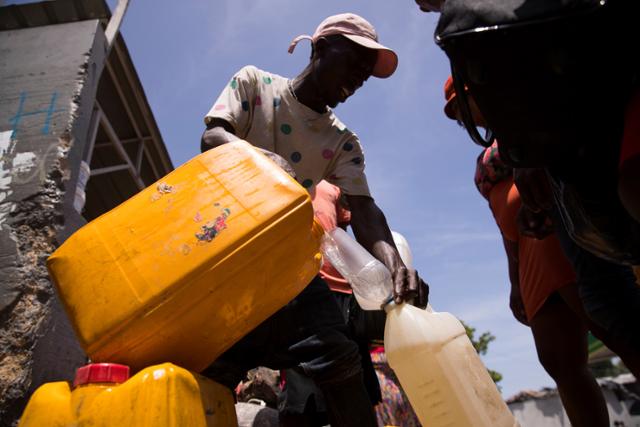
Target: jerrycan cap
{"x":101,"y":373}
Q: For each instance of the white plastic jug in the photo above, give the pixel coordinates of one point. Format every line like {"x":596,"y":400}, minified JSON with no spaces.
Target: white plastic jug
{"x":405,"y":254}
{"x":440,"y":371}
{"x":403,"y":248}
{"x":369,"y":278}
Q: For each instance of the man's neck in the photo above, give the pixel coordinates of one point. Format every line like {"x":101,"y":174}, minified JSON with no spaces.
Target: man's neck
{"x":305,"y":90}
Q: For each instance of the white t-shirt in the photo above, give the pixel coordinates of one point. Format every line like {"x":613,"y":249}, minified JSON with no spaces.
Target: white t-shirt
{"x":263,"y":111}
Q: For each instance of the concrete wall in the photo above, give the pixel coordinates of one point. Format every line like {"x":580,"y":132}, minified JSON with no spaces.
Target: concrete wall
{"x":49,"y":79}
{"x":549,"y":412}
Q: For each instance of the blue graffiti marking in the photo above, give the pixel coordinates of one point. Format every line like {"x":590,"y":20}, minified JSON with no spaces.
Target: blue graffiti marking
{"x":15,"y":120}
{"x":50,"y":111}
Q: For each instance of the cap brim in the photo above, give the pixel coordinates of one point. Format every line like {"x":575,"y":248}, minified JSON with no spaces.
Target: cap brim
{"x":387,"y":59}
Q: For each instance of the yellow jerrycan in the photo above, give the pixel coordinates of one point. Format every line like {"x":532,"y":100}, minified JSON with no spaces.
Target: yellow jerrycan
{"x":188,"y":266}
{"x":440,"y":371}
{"x":158,"y":396}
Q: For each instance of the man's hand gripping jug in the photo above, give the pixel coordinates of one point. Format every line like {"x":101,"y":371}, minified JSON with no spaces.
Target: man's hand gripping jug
{"x":439,"y":369}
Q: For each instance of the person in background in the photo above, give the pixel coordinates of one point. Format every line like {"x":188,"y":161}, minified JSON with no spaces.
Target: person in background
{"x":544,"y":295}
{"x":607,"y":285}
{"x":291,"y":121}
{"x":395,"y":408}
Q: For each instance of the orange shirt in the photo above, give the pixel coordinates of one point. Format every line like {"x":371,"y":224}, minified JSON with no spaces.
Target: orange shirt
{"x":543,"y":267}
{"x":330,"y":214}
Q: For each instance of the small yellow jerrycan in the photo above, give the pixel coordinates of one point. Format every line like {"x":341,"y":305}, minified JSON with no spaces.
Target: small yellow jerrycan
{"x":440,"y":371}
{"x":158,"y":396}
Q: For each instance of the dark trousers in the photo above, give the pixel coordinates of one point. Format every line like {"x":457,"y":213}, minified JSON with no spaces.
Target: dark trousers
{"x":301,"y":403}
{"x":308,"y":334}
{"x":609,"y":293}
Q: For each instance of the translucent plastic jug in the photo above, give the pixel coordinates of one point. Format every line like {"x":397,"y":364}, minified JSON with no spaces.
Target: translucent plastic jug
{"x":159,"y":396}
{"x":403,"y":248}
{"x":185,"y":268}
{"x":369,"y":278}
{"x":405,"y":253}
{"x":440,"y":371}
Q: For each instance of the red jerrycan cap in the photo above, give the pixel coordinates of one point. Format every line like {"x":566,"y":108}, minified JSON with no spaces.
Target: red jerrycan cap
{"x":101,"y":373}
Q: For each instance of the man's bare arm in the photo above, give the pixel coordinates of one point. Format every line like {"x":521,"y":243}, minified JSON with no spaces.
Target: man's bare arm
{"x":220,"y":132}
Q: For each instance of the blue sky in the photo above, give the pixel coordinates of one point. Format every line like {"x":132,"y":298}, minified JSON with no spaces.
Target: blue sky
{"x":419,"y":164}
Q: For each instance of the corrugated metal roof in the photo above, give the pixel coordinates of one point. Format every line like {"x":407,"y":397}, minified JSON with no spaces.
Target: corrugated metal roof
{"x":51,"y":12}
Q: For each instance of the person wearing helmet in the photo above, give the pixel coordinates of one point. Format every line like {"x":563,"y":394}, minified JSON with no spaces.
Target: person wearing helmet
{"x":544,"y":289}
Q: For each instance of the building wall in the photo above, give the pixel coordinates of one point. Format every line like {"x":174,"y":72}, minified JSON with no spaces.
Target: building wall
{"x":49,"y":78}
{"x":548,"y":411}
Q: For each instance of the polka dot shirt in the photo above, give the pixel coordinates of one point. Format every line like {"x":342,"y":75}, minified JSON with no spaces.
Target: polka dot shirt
{"x":262,"y":110}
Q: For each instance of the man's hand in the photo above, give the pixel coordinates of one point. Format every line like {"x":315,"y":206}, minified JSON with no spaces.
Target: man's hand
{"x":515,"y":299}
{"x":537,"y":225}
{"x":517,"y":307}
{"x":372,"y":232}
{"x":408,"y":286}
{"x":534,"y":189}
{"x":535,"y":193}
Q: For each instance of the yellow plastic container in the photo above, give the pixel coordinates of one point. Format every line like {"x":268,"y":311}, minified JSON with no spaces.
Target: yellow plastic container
{"x":158,"y":396}
{"x":440,"y":371}
{"x":185,"y":268}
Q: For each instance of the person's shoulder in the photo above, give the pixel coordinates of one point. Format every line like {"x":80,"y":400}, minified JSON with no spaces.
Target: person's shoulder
{"x":248,"y":73}
{"x":253,"y":73}
{"x":348,"y":141}
{"x":342,"y":129}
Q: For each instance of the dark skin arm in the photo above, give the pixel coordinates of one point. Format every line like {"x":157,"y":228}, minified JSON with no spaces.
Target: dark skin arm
{"x":535,"y":193}
{"x":372,"y":232}
{"x":220,"y":132}
{"x":367,"y":220}
{"x":515,"y":298}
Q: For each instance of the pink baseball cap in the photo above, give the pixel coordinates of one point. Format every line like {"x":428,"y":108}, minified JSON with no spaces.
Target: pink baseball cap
{"x":358,"y":30}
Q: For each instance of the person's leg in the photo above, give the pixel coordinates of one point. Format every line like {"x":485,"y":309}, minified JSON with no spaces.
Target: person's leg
{"x":561,"y":341}
{"x":308,"y":333}
{"x":322,"y":350}
{"x":365,"y":327}
{"x":609,"y":294}
{"x":301,"y":403}
{"x":630,"y":357}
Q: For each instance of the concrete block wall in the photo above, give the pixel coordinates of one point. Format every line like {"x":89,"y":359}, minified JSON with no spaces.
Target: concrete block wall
{"x":49,"y":79}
